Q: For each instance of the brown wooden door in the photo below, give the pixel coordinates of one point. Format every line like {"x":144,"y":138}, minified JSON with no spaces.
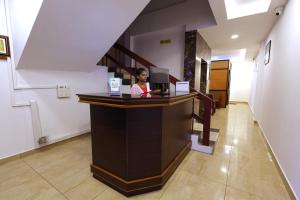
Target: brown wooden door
{"x":219,"y":81}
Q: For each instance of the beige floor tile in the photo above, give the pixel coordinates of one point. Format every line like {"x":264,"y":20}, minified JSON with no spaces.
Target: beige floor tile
{"x":234,"y":194}
{"x":189,"y":187}
{"x":216,"y":170}
{"x":185,"y":160}
{"x":254,"y":197}
{"x":68,"y":178}
{"x":110,"y":194}
{"x":193,"y":163}
{"x":87,"y":190}
{"x":257,"y":176}
{"x":12,"y":169}
{"x":28,"y":185}
{"x":49,"y":157}
{"x":156,"y":195}
{"x":63,"y":172}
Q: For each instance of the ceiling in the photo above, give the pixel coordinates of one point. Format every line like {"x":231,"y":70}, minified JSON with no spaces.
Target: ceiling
{"x":156,"y":5}
{"x":252,"y":30}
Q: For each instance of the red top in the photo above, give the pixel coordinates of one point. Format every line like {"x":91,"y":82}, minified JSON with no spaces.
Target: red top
{"x":144,"y":89}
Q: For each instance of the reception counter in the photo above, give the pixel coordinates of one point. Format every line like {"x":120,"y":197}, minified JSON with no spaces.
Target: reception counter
{"x":138,"y":142}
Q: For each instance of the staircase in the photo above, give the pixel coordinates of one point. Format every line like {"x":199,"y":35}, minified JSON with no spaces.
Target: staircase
{"x":123,"y":63}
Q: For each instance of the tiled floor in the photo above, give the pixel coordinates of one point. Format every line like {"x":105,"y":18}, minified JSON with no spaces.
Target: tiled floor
{"x":240,"y":169}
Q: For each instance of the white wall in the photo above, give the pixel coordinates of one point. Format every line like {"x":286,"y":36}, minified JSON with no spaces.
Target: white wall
{"x":275,"y":98}
{"x":241,"y":80}
{"x":169,"y":56}
{"x":60,"y":118}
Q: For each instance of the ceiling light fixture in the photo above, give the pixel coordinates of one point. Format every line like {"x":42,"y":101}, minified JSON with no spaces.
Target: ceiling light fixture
{"x":235,"y":36}
{"x":241,"y":8}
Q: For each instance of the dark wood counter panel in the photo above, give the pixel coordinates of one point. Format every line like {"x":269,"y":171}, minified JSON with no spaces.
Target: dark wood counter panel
{"x":138,"y":142}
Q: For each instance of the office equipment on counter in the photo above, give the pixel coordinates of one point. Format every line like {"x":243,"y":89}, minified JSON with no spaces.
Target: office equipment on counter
{"x":182,"y":86}
{"x":159,"y":79}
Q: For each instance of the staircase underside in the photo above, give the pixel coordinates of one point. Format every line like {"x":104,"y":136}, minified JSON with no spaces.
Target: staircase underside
{"x":74,"y":35}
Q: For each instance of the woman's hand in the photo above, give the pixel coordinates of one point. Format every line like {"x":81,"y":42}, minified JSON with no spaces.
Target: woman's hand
{"x":157,"y":91}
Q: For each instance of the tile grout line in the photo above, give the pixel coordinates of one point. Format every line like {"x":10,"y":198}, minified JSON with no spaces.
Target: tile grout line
{"x":100,"y":193}
{"x":45,"y":179}
{"x":76,"y":185}
{"x":227,"y":175}
{"x":167,"y":187}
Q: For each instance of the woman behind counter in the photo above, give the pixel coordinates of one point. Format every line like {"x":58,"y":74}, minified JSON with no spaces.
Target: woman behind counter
{"x":141,"y":87}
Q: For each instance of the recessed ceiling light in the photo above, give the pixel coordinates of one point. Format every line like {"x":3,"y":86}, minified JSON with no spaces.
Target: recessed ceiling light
{"x":241,"y":8}
{"x":235,"y":36}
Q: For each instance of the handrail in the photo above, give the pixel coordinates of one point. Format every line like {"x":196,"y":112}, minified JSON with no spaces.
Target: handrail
{"x":134,"y":55}
{"x":207,"y":101}
{"x":144,"y":62}
{"x":127,"y":69}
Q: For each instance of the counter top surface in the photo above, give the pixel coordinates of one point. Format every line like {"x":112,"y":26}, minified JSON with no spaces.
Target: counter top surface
{"x":128,"y":100}
{"x":132,"y":97}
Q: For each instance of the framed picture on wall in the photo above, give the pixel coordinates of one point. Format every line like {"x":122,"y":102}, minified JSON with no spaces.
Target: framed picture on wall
{"x":4,"y":47}
{"x":267,"y":53}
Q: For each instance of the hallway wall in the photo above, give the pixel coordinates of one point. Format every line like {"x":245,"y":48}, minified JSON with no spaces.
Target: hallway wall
{"x":60,"y":118}
{"x":169,"y":56}
{"x":275,"y":93}
{"x":240,"y":81}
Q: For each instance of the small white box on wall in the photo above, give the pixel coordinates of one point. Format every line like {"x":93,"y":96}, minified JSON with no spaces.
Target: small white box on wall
{"x":63,"y":91}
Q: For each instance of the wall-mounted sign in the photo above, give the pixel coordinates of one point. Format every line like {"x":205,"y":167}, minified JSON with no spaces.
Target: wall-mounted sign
{"x":165,"y":41}
{"x":4,"y":47}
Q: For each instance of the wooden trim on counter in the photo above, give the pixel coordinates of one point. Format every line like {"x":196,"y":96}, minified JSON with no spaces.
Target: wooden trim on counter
{"x":132,"y":187}
{"x":135,"y":103}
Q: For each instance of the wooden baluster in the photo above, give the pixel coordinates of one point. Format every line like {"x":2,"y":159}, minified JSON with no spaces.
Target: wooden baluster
{"x":130,"y":59}
{"x":207,"y":119}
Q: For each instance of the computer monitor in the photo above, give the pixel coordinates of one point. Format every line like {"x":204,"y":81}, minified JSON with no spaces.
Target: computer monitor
{"x":159,"y":79}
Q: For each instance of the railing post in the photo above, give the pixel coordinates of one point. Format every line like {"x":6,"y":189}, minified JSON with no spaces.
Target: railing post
{"x":206,"y":120}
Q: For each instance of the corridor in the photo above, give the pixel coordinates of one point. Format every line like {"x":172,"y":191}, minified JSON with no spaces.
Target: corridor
{"x":240,"y":169}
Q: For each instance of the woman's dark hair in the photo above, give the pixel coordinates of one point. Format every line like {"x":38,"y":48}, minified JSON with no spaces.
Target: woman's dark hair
{"x":139,"y":71}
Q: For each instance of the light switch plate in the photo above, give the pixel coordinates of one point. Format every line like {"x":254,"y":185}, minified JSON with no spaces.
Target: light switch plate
{"x":63,"y":91}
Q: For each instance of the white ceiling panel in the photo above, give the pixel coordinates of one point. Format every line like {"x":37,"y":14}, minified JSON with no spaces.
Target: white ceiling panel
{"x":252,"y":30}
